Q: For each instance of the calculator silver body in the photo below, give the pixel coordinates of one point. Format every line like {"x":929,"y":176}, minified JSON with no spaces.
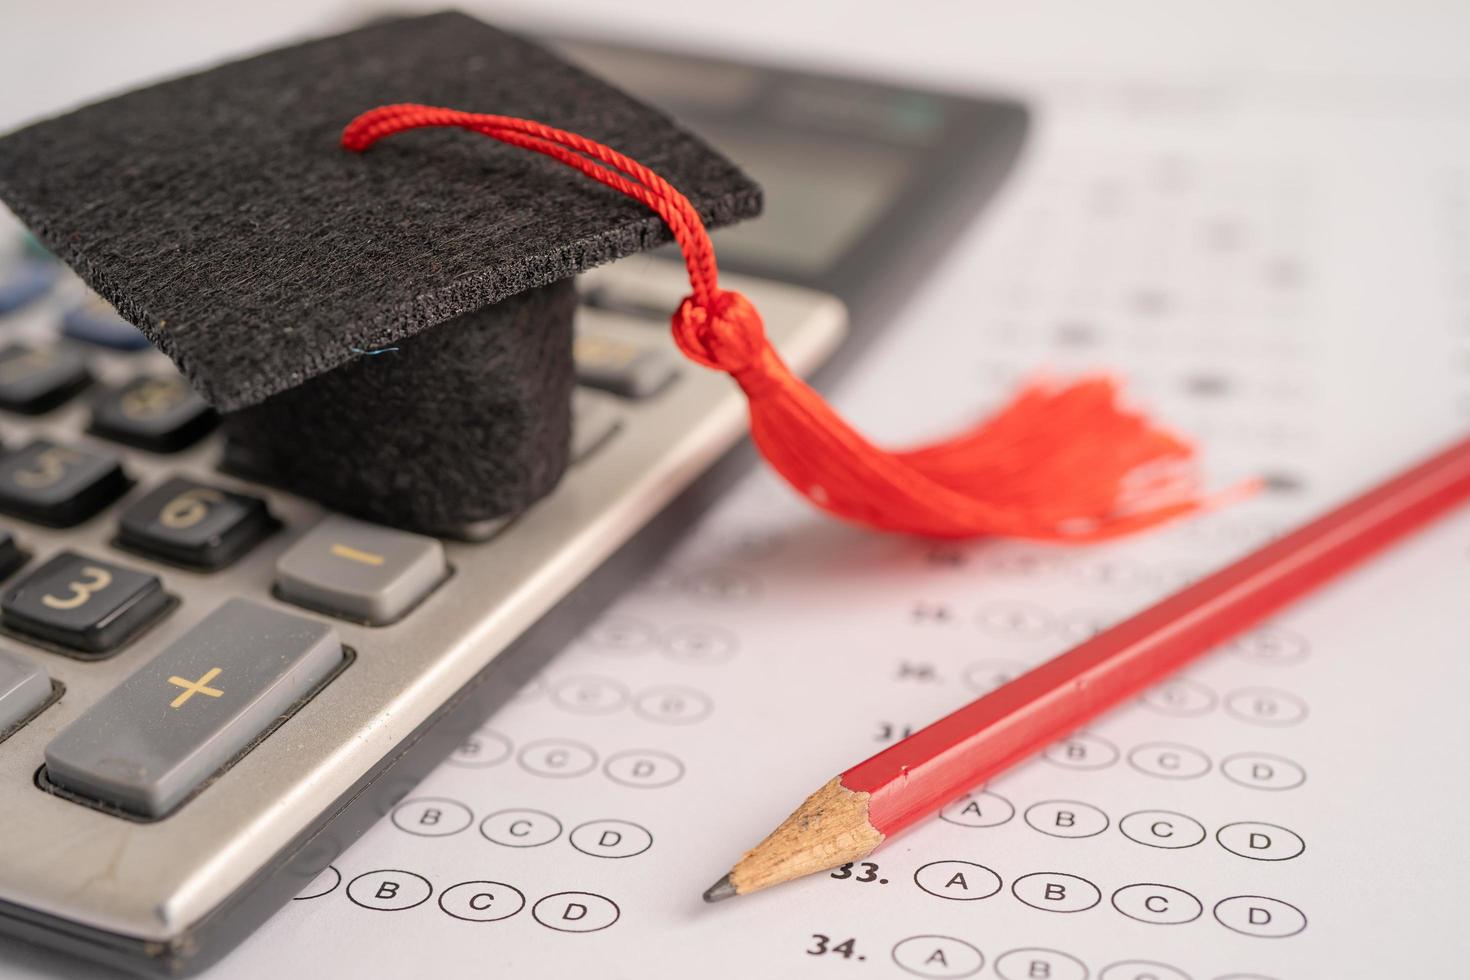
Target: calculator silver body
{"x":171,"y":896}
{"x":145,"y":893}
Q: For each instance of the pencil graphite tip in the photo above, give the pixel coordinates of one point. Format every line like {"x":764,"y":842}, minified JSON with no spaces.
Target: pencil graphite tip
{"x":720,"y":890}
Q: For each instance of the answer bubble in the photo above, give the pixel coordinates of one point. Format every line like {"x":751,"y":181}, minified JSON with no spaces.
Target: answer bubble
{"x":1079,"y":626}
{"x":1052,"y":891}
{"x":673,"y":705}
{"x":1180,"y":697}
{"x":957,"y":881}
{"x":589,"y":695}
{"x":699,"y":644}
{"x":324,"y":883}
{"x":940,"y":957}
{"x":1162,"y":828}
{"x":1257,"y":770}
{"x":1015,"y":558}
{"x":1111,"y":575}
{"x":1141,"y":970}
{"x":389,"y":890}
{"x":1270,"y":645}
{"x":1157,"y":904}
{"x":482,"y":901}
{"x":481,"y":750}
{"x":1266,"y":706}
{"x":722,"y":585}
{"x":1257,"y":915}
{"x":1083,"y":751}
{"x":520,"y":828}
{"x":984,"y":809}
{"x":432,"y":816}
{"x":1168,"y":760}
{"x":1015,"y":620}
{"x":611,"y":839}
{"x":557,"y":758}
{"x":984,"y":676}
{"x":1027,"y":964}
{"x":1066,"y":818}
{"x":620,"y":634}
{"x":576,"y":912}
{"x":1260,"y":841}
{"x":643,"y":768}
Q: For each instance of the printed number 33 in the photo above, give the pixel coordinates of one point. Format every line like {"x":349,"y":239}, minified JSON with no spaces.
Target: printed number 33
{"x":870,"y":871}
{"x":96,"y":579}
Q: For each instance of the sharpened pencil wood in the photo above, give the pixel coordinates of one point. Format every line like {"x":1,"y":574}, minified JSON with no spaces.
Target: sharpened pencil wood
{"x":829,"y":829}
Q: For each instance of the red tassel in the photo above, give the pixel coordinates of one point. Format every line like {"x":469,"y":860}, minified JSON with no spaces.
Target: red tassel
{"x":1060,"y":462}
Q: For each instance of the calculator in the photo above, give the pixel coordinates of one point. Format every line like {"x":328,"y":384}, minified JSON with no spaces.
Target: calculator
{"x":209,"y":687}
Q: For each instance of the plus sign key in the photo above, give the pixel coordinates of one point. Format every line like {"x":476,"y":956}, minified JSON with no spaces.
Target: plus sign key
{"x":161,"y":733}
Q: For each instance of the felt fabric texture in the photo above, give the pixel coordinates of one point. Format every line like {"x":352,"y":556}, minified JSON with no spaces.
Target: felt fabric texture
{"x":464,"y":423}
{"x":219,"y":214}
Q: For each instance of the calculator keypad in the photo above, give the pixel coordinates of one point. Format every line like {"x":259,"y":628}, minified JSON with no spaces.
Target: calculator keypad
{"x":164,"y":730}
{"x":57,"y":485}
{"x":157,"y":413}
{"x":193,"y":524}
{"x":37,"y":379}
{"x":85,"y":605}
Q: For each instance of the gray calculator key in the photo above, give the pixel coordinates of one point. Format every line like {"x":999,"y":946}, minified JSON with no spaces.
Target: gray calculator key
{"x":158,"y":735}
{"x":621,"y":367}
{"x":24,"y":687}
{"x":360,"y":571}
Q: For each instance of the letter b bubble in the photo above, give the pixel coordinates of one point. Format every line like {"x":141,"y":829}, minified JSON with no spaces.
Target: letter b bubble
{"x":389,"y":891}
{"x":1053,"y":891}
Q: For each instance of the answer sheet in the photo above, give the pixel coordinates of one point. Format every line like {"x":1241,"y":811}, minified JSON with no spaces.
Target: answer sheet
{"x":1268,"y":275}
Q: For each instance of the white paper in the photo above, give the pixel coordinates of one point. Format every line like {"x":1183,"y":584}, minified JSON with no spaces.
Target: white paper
{"x":1271,"y":274}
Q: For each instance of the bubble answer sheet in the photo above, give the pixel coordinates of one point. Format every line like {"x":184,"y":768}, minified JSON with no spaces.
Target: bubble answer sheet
{"x":1266,"y":277}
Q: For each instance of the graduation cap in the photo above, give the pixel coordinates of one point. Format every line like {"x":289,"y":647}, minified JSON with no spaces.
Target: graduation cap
{"x":389,"y":332}
{"x":295,"y":284}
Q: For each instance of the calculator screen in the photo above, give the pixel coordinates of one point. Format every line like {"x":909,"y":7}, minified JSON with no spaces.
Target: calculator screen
{"x":821,"y":196}
{"x":835,"y":156}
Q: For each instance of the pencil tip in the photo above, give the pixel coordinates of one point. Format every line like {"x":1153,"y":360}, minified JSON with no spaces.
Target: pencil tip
{"x":720,"y":890}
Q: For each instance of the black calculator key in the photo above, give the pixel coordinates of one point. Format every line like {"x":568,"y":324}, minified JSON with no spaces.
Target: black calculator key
{"x":37,"y":379}
{"x":162,"y":414}
{"x":58,"y":485}
{"x":11,"y":557}
{"x":194,"y":524}
{"x":83,"y":604}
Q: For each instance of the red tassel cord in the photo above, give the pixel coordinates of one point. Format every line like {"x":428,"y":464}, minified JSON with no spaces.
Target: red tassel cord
{"x":1061,"y":462}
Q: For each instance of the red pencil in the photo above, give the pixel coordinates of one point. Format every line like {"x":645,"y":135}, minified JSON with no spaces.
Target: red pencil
{"x":853,"y":813}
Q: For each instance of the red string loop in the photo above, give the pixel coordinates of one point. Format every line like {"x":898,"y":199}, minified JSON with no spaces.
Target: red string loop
{"x":1059,"y":463}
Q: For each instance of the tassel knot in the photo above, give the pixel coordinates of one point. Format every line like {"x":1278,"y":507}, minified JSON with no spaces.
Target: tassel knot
{"x":726,"y":333}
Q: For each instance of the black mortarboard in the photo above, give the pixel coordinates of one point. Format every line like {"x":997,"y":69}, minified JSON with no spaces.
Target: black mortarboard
{"x":219,"y":213}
